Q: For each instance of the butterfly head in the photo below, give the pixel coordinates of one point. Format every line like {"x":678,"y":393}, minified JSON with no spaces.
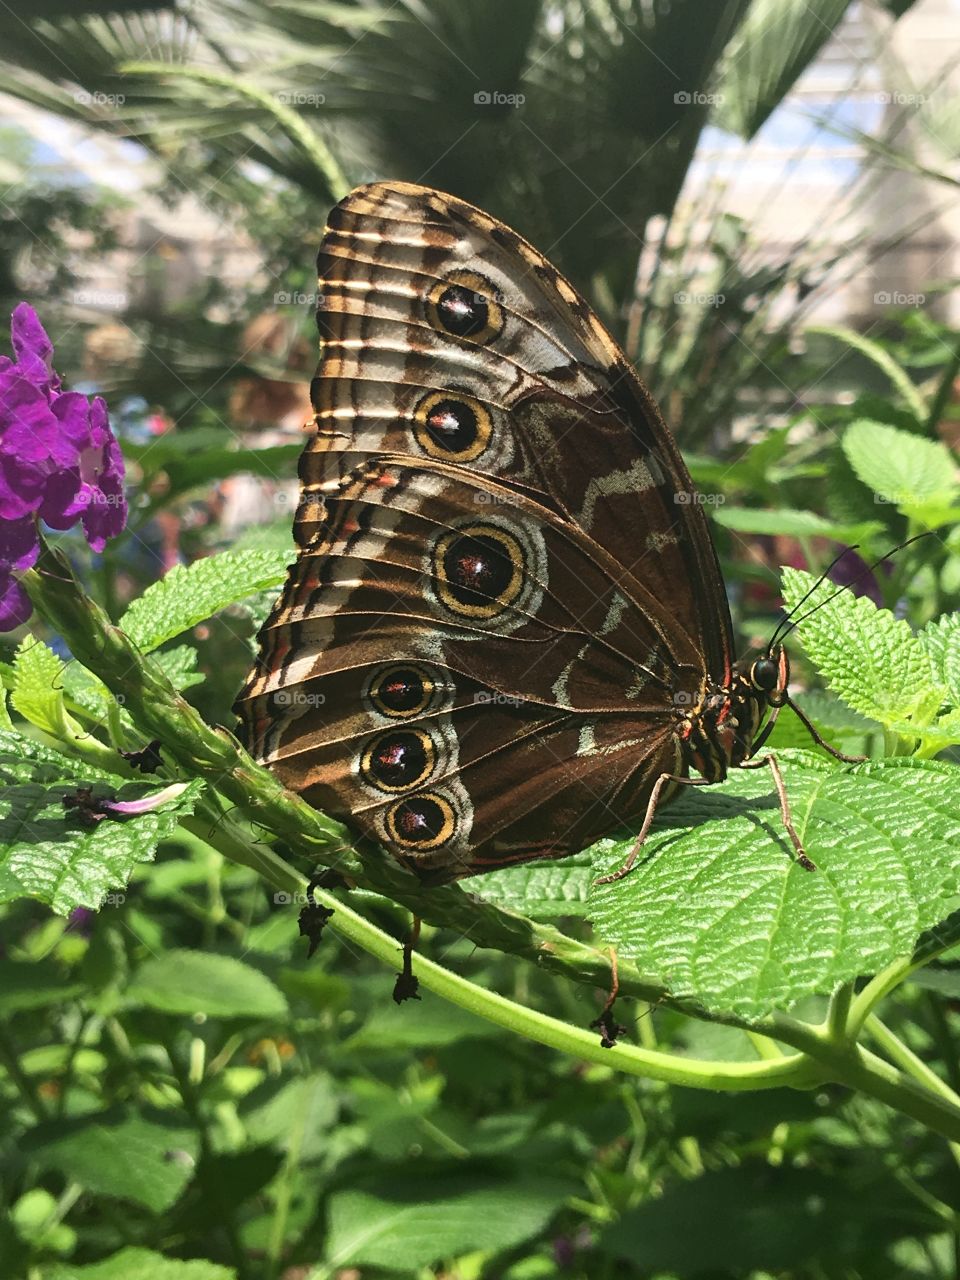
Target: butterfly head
{"x":769,"y":675}
{"x":758,"y":686}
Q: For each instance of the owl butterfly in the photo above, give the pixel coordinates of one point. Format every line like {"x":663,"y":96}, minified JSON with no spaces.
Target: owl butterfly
{"x":506,"y":632}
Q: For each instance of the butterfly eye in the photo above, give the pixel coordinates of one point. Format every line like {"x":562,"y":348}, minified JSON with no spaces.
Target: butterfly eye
{"x":479,"y":570}
{"x":400,"y":691}
{"x":422,"y":822}
{"x":398,"y":760}
{"x":455,"y":428}
{"x":765,"y":674}
{"x":465,"y":305}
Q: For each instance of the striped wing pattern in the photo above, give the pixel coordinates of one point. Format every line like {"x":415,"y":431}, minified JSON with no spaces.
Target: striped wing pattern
{"x":502,"y":591}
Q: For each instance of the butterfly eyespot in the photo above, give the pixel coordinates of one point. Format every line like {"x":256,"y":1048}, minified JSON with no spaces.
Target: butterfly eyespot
{"x":479,"y":570}
{"x":764,"y":675}
{"x":464,"y":304}
{"x":403,"y":690}
{"x":398,"y":760}
{"x":423,"y":822}
{"x":455,"y":428}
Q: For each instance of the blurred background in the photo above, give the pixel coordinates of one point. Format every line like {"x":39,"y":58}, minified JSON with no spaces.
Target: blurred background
{"x":760,"y":198}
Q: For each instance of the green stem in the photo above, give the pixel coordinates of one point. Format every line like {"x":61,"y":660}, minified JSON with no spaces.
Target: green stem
{"x":839,"y":1012}
{"x":308,"y":140}
{"x":908,"y":1061}
{"x":858,"y":1068}
{"x":552,"y":1032}
{"x":216,"y":756}
{"x":880,"y":986}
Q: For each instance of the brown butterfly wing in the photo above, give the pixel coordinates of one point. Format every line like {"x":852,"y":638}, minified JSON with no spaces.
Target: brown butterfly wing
{"x":571,"y":420}
{"x":497,"y":597}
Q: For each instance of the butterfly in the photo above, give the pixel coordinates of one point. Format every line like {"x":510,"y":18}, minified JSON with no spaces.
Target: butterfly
{"x":506,"y":632}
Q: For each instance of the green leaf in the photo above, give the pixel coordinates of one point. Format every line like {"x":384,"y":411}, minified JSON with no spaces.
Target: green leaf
{"x":756,"y":1218}
{"x":774,"y":42}
{"x":191,"y":593}
{"x":84,"y":690}
{"x":46,"y":854}
{"x":867,"y":656}
{"x":174,"y":446}
{"x":542,"y":890}
{"x":38,"y":687}
{"x":796,"y":524}
{"x":944,"y":980}
{"x":941,"y":642}
{"x":148,"y":1161}
{"x":188,"y":982}
{"x":901,"y":468}
{"x":136,"y":1264}
{"x":437,"y":1024}
{"x":410,"y":1221}
{"x":33,"y":986}
{"x":931,"y":515}
{"x":278,"y":462}
{"x":179,"y":665}
{"x":298,"y":1112}
{"x":724,"y":915}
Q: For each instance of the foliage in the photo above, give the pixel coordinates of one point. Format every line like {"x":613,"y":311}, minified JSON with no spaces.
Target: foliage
{"x":187,"y":1095}
{"x":180,"y":1057}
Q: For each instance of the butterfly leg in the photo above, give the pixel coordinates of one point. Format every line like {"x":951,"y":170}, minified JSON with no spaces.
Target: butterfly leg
{"x":771,"y":760}
{"x":405,"y":987}
{"x":837,"y":755}
{"x":655,"y":794}
{"x":610,"y":1031}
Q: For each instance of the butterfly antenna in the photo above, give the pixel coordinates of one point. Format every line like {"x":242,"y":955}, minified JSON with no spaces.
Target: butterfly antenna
{"x":839,"y":591}
{"x":784,"y":622}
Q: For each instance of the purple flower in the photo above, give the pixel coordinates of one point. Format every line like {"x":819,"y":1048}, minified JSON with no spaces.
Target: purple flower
{"x":18,"y":550}
{"x":15,"y":606}
{"x":59,"y":461}
{"x":853,"y":572}
{"x":32,"y":347}
{"x":91,"y":810}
